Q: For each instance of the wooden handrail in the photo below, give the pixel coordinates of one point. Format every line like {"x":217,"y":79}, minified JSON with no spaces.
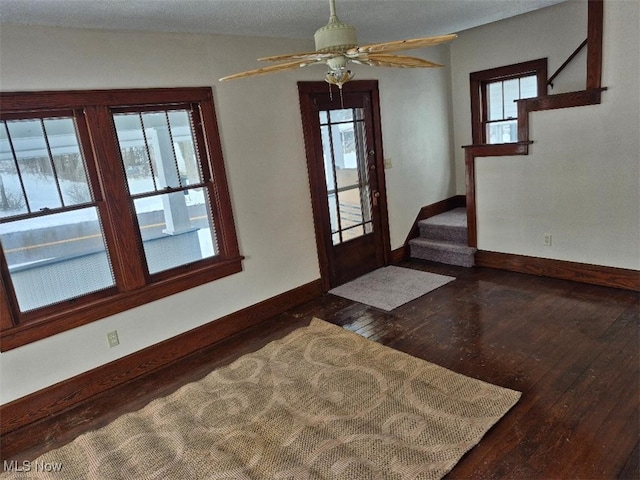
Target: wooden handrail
{"x":566,"y":62}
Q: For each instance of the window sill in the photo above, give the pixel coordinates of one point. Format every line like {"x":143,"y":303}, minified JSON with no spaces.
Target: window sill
{"x":499,"y":145}
{"x":68,"y":315}
{"x":498,"y":149}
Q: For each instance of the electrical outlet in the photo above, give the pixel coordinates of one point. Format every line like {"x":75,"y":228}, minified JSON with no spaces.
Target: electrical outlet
{"x":388,"y":163}
{"x":547,"y":239}
{"x":112,"y":338}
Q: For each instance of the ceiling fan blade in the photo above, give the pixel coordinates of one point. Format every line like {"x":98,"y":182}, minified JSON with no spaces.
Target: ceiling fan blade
{"x":399,"y":45}
{"x":401,"y":61}
{"x":300,"y":56}
{"x":274,"y":68}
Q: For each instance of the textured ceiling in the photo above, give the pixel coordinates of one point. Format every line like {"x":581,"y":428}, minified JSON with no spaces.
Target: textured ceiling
{"x":376,"y":20}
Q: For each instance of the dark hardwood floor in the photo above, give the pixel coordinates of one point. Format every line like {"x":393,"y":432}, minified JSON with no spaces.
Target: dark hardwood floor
{"x":572,"y":349}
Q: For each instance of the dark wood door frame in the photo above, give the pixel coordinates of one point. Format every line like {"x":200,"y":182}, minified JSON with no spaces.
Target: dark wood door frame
{"x":306,"y":91}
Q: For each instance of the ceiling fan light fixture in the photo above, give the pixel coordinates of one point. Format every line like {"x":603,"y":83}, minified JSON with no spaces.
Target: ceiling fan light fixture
{"x":338,"y":77}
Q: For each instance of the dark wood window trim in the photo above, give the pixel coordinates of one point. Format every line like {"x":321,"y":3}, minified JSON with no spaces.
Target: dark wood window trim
{"x":133,"y":286}
{"x":480,"y":80}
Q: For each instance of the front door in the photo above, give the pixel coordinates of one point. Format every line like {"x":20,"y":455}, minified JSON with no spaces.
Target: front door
{"x":343,"y":141}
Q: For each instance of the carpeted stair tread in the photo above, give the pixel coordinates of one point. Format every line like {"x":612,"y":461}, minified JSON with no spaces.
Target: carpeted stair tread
{"x":456,"y":218}
{"x":442,"y":252}
{"x":442,"y":245}
{"x":439,"y":232}
{"x":450,"y":226}
{"x":443,"y":239}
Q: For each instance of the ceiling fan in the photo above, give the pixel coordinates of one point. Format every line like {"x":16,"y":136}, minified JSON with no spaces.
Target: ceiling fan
{"x":337,"y":45}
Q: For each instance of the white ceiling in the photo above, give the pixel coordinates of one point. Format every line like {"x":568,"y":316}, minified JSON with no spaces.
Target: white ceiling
{"x":376,"y":20}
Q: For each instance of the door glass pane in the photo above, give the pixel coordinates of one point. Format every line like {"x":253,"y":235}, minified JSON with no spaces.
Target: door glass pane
{"x":176,"y":228}
{"x":346,"y":173}
{"x":56,"y":257}
{"x":351,"y":213}
{"x":343,"y":115}
{"x":333,"y":216}
{"x":327,"y":153}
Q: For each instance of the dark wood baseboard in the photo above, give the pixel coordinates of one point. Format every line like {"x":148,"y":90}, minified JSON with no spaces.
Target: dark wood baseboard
{"x":69,"y":393}
{"x":399,"y":254}
{"x":578,"y":272}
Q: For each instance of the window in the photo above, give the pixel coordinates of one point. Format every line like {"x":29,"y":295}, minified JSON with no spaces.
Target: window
{"x":108,"y":199}
{"x":494,"y":94}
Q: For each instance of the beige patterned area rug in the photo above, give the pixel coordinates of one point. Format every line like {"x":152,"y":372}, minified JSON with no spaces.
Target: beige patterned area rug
{"x":322,"y":403}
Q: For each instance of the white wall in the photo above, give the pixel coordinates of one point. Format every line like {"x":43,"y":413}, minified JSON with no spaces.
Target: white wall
{"x":263,"y":146}
{"x":418,"y":140}
{"x":580,"y":181}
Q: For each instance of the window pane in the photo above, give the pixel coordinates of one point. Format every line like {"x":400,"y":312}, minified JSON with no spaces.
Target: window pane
{"x":494,"y":102}
{"x":34,"y":164}
{"x":528,"y":87}
{"x":135,"y":151}
{"x":176,"y":228}
{"x":156,"y":129}
{"x":41,"y":158}
{"x":31,"y":186}
{"x":511,"y":94}
{"x":158,"y":150}
{"x":12,"y":200}
{"x":56,"y":257}
{"x":184,"y":147}
{"x":502,"y":132}
{"x":68,"y":161}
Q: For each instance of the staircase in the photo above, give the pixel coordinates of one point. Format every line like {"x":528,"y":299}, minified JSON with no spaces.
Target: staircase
{"x":443,"y":239}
